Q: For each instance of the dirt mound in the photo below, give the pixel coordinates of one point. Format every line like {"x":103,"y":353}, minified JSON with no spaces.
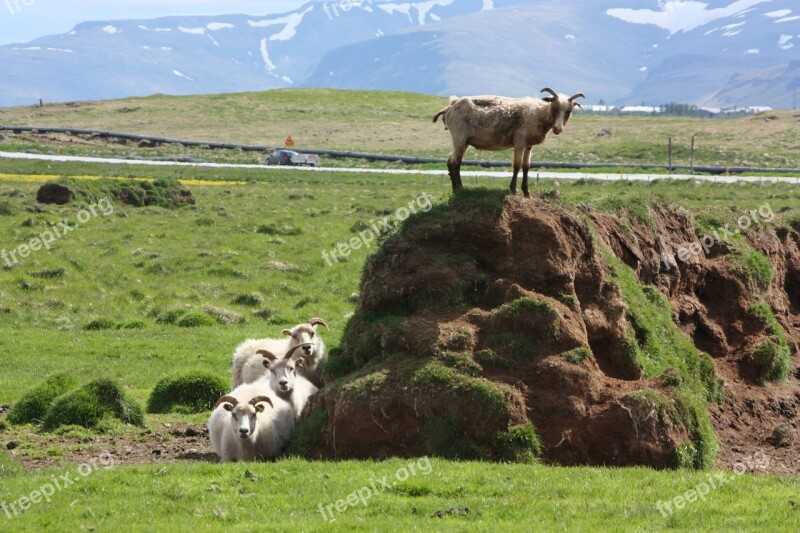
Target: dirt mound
{"x":500,"y":327}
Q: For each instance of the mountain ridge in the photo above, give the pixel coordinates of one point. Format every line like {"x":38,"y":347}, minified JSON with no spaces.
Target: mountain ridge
{"x":734,"y":53}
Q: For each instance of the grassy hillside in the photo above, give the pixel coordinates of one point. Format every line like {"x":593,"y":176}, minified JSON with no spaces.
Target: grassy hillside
{"x":394,"y":122}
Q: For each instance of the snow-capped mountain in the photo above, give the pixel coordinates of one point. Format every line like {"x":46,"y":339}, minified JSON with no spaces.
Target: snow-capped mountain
{"x":716,"y":53}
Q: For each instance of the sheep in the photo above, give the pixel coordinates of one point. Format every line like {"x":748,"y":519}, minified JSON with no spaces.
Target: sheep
{"x":250,"y":423}
{"x":285,"y":380}
{"x":247,"y":366}
{"x":499,"y":123}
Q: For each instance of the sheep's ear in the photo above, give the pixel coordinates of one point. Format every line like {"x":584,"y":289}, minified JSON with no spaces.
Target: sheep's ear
{"x":228,"y":407}
{"x":287,"y":332}
{"x":260,"y":402}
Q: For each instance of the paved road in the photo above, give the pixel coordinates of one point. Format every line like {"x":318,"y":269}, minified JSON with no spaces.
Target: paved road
{"x":466,"y":173}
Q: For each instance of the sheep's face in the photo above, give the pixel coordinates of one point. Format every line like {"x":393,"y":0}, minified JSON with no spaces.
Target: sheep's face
{"x":244,"y":416}
{"x":306,"y":334}
{"x":284,"y":372}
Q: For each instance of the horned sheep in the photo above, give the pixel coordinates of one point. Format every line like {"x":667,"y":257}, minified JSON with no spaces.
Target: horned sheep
{"x":247,"y":364}
{"x":285,"y":380}
{"x":250,"y":423}
{"x":498,"y":123}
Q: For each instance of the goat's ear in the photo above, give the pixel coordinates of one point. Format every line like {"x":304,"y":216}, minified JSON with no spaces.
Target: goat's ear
{"x":227,"y":406}
{"x":287,"y":332}
{"x":299,"y":362}
{"x":260,"y":408}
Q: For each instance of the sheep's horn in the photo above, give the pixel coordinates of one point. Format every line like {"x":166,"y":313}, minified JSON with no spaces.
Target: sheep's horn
{"x":577,"y":95}
{"x":267,"y":354}
{"x":316,"y":321}
{"x":294,"y":349}
{"x":549,"y":90}
{"x":226,"y":399}
{"x":258,"y":399}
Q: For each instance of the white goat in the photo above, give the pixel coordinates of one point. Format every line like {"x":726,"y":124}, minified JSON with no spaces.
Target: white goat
{"x":247,"y":364}
{"x":284,"y":379}
{"x":250,"y":423}
{"x":498,"y":123}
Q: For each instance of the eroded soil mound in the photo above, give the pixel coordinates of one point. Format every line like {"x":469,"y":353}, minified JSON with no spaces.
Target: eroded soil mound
{"x":504,"y":328}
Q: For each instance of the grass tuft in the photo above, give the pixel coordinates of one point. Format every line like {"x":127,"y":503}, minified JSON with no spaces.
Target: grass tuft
{"x":92,"y":404}
{"x":193,"y":392}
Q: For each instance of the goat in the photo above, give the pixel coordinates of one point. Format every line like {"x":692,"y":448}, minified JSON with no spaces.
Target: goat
{"x":285,"y":380}
{"x":247,"y":366}
{"x":498,"y":123}
{"x":249,"y":424}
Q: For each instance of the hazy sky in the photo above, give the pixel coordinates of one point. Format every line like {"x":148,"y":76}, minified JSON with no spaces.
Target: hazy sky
{"x":23,"y":20}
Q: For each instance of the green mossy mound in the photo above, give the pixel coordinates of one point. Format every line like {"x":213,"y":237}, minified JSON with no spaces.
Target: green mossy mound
{"x":90,"y":405}
{"x":168,"y":193}
{"x":193,"y":392}
{"x":34,"y":404}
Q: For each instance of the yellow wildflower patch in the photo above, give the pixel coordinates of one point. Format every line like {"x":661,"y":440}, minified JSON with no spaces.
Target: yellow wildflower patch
{"x":49,"y":177}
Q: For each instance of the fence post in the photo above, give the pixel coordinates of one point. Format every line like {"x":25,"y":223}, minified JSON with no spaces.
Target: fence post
{"x":692,"y":155}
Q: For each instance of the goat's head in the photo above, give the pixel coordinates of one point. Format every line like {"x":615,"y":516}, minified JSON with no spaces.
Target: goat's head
{"x":306,"y":334}
{"x":244,"y":415}
{"x":284,"y":369}
{"x":561,"y":107}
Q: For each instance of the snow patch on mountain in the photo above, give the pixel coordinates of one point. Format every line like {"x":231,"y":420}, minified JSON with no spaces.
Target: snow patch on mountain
{"x":192,"y":31}
{"x":422,"y":8}
{"x":681,"y":16}
{"x":216,"y":26}
{"x":268,"y":64}
{"x":111,"y":30}
{"x":290,"y":22}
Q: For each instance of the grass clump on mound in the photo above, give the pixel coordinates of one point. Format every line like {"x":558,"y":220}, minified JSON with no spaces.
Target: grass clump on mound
{"x":659,"y":346}
{"x":35,"y":403}
{"x":773,"y":357}
{"x":168,"y":193}
{"x":90,"y":404}
{"x":193,"y":392}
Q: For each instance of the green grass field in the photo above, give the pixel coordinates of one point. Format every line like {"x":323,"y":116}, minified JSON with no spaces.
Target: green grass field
{"x":394,"y":123}
{"x":249,"y":257}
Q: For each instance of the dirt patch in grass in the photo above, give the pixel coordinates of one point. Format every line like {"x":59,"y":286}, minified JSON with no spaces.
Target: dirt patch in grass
{"x":160,"y":443}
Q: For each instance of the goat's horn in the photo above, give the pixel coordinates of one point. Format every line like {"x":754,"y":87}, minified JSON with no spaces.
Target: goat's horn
{"x":549,"y":90}
{"x":259,"y":399}
{"x":316,"y":321}
{"x":266,"y":353}
{"x":294,"y":348}
{"x":577,"y":95}
{"x":226,"y":399}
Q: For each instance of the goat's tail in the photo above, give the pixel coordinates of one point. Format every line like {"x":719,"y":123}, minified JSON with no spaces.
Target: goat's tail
{"x":439,"y":114}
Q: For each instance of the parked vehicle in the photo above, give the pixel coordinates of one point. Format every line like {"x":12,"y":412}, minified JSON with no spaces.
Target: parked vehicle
{"x":290,"y":157}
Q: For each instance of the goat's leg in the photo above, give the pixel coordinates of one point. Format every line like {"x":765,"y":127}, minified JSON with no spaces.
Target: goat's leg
{"x":517,"y":164}
{"x":526,"y":166}
{"x":454,"y":167}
